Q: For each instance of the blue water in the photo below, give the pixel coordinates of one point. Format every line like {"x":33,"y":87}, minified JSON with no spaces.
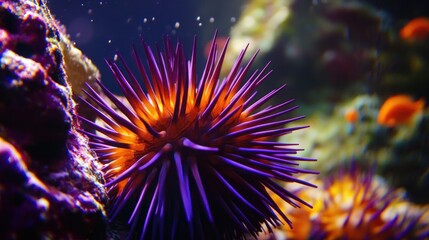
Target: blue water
{"x":100,"y":28}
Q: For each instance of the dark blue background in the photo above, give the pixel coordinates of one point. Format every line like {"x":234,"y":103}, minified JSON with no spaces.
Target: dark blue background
{"x":100,"y":28}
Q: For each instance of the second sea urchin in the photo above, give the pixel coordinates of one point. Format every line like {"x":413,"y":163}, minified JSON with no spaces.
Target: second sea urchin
{"x":353,"y":203}
{"x":194,"y":158}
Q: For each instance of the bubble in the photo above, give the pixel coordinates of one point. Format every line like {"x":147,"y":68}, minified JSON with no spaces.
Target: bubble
{"x":109,"y":41}
{"x":89,"y":11}
{"x":211,"y":20}
{"x":198,"y":18}
{"x":233,"y":19}
{"x":115,"y":57}
{"x":153,"y":18}
{"x":177,"y":25}
{"x":144,"y":20}
{"x":200,"y":24}
{"x":80,"y":29}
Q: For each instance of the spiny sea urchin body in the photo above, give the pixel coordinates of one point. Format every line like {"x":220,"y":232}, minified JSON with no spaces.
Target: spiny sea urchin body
{"x":360,"y":205}
{"x":355,"y":205}
{"x":194,"y":158}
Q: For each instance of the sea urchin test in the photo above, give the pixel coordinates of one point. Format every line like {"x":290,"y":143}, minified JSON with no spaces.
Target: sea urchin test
{"x":191,"y":157}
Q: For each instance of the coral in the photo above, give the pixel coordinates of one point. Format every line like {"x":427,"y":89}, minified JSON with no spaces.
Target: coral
{"x":399,"y":109}
{"x":416,"y":30}
{"x":258,"y":25}
{"x":347,"y":140}
{"x":79,"y":69}
{"x":392,"y":149}
{"x":326,"y":44}
{"x":48,"y":176}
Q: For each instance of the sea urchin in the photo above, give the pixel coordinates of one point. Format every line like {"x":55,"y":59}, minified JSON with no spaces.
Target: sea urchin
{"x":193,"y":159}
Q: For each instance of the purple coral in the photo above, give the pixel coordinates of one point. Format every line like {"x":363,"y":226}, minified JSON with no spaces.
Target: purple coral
{"x":46,"y":177}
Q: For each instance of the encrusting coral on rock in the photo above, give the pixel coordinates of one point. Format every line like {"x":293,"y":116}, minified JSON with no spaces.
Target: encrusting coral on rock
{"x":48,"y":178}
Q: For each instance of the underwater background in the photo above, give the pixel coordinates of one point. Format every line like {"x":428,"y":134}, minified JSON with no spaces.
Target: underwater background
{"x":100,"y":28}
{"x":359,"y":71}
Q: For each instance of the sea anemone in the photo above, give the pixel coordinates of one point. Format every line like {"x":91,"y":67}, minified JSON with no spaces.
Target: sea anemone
{"x":193,"y":159}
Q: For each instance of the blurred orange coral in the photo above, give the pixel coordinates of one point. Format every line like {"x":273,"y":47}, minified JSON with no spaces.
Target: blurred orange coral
{"x":416,"y":29}
{"x":399,"y":109}
{"x":351,"y":115}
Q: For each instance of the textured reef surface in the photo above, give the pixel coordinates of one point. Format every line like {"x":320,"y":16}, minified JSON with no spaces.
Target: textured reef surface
{"x":48,"y":178}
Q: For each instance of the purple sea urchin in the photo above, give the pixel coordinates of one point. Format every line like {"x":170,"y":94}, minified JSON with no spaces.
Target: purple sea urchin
{"x":194,"y":158}
{"x":354,"y":204}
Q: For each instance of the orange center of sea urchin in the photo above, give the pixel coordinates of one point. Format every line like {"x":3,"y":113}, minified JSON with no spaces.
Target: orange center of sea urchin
{"x":179,"y":113}
{"x":160,"y":117}
{"x":172,"y":133}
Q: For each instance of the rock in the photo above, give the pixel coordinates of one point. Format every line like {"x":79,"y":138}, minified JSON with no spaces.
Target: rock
{"x":48,"y":176}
